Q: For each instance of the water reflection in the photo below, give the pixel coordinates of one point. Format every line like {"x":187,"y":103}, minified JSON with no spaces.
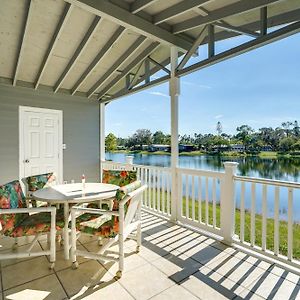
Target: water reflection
{"x":286,"y":169}
{"x":280,"y":168}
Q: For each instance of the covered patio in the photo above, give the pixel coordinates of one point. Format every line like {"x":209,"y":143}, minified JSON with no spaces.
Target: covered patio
{"x":72,"y":58}
{"x":174,"y":262}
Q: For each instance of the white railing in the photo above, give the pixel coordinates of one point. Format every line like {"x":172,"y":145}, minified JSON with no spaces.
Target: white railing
{"x":157,"y":197}
{"x":262,"y":222}
{"x":242,"y":210}
{"x":199,"y":198}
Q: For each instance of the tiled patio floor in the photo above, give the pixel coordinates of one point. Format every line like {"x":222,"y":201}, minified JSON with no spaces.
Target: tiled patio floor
{"x":174,"y":263}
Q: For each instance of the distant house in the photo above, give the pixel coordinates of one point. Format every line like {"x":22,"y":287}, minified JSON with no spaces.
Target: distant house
{"x":159,"y":147}
{"x":237,"y":147}
{"x":266,"y":148}
{"x":186,"y":148}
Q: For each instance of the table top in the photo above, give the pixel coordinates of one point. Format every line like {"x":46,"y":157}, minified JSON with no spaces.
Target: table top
{"x":74,"y":192}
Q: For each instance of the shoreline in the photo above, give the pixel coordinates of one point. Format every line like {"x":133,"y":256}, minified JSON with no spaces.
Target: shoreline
{"x":263,"y":154}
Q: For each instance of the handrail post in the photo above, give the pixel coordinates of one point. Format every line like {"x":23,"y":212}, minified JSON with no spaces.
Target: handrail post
{"x":228,"y":202}
{"x":102,"y":137}
{"x":174,"y":91}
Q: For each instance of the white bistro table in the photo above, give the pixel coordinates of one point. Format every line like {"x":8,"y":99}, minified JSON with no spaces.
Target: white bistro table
{"x":74,"y":193}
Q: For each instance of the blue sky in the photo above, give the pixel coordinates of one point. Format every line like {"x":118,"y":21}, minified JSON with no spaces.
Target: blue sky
{"x":259,"y":88}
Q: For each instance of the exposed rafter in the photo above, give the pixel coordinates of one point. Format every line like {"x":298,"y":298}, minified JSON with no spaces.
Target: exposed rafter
{"x":131,"y":50}
{"x":136,"y":76}
{"x":248,"y":46}
{"x":229,"y":10}
{"x":137,"y":89}
{"x":128,"y":68}
{"x":139,"y":5}
{"x":177,"y":9}
{"x":22,"y":42}
{"x":58,"y":31}
{"x":263,"y":20}
{"x":83,"y":44}
{"x":136,"y":23}
{"x":161,"y":66}
{"x":116,"y":35}
{"x":239,"y":30}
{"x":194,"y":47}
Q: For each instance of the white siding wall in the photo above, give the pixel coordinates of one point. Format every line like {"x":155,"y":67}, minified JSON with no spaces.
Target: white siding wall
{"x":80,"y":131}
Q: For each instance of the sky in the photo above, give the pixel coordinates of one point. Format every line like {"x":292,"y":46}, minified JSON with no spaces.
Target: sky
{"x":260,"y":88}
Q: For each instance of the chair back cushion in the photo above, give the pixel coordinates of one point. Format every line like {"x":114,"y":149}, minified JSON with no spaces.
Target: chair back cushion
{"x":37,"y":182}
{"x":106,"y":226}
{"x":11,"y":196}
{"x":119,"y":177}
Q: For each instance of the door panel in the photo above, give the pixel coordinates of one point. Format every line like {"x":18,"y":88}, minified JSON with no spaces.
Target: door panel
{"x":40,"y":142}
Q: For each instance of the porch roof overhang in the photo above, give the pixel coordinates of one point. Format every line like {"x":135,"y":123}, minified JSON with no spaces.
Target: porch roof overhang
{"x":104,"y":49}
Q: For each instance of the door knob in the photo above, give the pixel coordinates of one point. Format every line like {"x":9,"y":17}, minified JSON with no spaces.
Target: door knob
{"x":26,"y":161}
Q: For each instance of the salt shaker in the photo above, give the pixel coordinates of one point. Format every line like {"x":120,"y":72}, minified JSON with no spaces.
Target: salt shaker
{"x":83,"y":181}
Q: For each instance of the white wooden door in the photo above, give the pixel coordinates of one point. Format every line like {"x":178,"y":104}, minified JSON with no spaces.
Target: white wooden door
{"x":40,"y":143}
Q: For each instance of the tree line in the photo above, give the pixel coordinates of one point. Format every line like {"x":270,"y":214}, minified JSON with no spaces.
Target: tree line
{"x":285,"y":138}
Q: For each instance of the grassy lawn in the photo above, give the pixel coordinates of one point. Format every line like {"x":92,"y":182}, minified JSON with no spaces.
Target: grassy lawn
{"x":283,"y":226}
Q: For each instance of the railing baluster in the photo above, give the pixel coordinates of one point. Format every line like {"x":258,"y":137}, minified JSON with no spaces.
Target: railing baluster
{"x":149,"y":189}
{"x":206,"y":201}
{"x":158,"y":191}
{"x":180,"y":194}
{"x":163,"y":196}
{"x":187,"y":212}
{"x":154,"y":189}
{"x":214,"y":199}
{"x":199,"y":199}
{"x":168,"y":195}
{"x":193,"y":198}
{"x":276,"y":221}
{"x":252,"y":237}
{"x":264,"y":218}
{"x":242,"y":213}
{"x":290,"y":224}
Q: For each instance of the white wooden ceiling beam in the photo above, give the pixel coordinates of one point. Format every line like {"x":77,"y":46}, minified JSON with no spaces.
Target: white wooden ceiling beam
{"x":22,"y":42}
{"x":83,"y":44}
{"x":177,"y":9}
{"x":139,"y":5}
{"x":223,"y":12}
{"x":130,"y":51}
{"x":114,"y":38}
{"x":128,"y":68}
{"x":58,"y":31}
{"x":193,"y":49}
{"x":124,"y":17}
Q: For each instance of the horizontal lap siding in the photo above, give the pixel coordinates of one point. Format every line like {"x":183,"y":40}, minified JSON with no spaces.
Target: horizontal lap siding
{"x":80,"y":131}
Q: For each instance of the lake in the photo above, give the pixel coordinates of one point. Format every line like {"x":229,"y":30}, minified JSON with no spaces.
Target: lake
{"x":286,"y":169}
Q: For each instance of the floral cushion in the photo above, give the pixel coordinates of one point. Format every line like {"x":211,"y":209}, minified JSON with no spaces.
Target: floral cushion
{"x":11,"y":196}
{"x":36,"y":223}
{"x":119,"y":178}
{"x":103,"y":225}
{"x":40,"y":181}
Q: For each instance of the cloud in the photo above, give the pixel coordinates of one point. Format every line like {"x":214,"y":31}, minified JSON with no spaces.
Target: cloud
{"x":201,"y":86}
{"x":118,"y":124}
{"x":218,"y":117}
{"x":159,"y":94}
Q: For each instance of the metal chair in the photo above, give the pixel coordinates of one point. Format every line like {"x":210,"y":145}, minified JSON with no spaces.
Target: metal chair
{"x":116,"y":225}
{"x":17,"y":220}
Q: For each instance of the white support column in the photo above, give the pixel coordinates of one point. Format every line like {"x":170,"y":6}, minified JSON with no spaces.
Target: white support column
{"x":228,"y":202}
{"x":174,"y":91}
{"x":102,"y":137}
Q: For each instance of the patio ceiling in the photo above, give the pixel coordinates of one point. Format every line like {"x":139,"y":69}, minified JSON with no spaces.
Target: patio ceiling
{"x":106,"y":49}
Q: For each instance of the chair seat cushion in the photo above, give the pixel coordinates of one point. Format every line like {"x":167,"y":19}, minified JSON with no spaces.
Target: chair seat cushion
{"x":99,"y":225}
{"x":32,"y":224}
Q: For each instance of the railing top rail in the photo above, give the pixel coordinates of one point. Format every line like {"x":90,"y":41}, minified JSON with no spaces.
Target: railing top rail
{"x":268,"y":181}
{"x":137,"y":166}
{"x":206,"y":173}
